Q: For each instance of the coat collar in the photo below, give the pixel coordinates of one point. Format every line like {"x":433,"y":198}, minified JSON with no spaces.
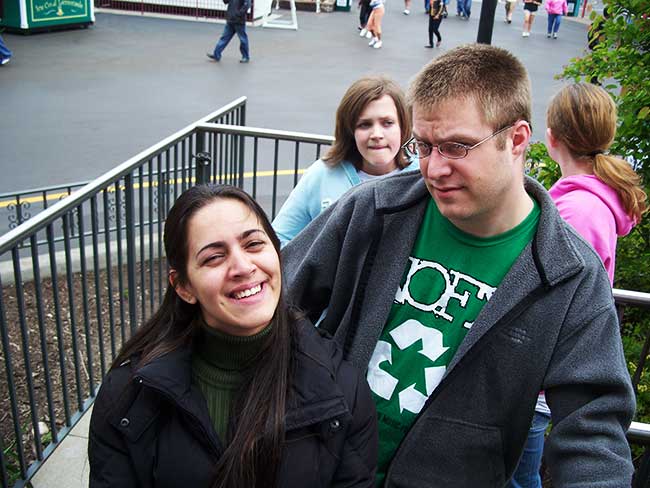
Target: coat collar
{"x":401,"y":200}
{"x":316,"y":395}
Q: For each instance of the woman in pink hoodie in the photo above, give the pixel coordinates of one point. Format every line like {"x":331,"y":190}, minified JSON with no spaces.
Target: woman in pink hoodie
{"x":599,"y":194}
{"x":556,"y":9}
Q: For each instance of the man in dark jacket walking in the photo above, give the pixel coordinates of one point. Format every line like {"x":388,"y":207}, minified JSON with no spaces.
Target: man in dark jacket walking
{"x":235,"y":23}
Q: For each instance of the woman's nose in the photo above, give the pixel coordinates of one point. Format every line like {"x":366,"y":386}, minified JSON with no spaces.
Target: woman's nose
{"x":241,"y":263}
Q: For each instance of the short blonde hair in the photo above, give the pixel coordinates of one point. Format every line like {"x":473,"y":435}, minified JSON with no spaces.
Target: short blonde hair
{"x":353,"y":103}
{"x":490,"y":76}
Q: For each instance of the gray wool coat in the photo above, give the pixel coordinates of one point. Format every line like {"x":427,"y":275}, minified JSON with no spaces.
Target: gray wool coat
{"x":551,"y":325}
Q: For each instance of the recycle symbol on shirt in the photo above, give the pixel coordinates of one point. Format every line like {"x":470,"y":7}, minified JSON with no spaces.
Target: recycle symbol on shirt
{"x":383,"y":384}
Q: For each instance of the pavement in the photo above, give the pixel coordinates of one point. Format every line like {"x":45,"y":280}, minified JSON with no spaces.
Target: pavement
{"x":76,"y":103}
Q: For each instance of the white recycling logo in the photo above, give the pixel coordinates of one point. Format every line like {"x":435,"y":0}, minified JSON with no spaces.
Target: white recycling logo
{"x":383,"y":384}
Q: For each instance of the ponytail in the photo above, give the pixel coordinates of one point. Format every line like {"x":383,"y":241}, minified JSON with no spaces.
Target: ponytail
{"x":619,"y":175}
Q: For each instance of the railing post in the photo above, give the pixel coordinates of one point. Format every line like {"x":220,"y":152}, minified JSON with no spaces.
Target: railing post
{"x":203,"y":159}
{"x":129,"y":200}
{"x":242,"y":121}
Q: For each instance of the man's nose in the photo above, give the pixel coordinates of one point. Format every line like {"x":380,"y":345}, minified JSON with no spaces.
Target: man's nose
{"x":435,"y":166}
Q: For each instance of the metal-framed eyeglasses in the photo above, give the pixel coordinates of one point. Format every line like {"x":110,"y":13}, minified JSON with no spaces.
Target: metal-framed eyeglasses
{"x":447,"y":149}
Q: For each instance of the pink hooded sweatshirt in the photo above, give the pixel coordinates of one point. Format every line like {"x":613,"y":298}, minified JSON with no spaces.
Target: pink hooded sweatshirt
{"x":557,"y":7}
{"x":595,"y":211}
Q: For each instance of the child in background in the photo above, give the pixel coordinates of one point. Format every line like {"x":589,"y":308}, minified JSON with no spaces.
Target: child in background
{"x":556,"y":9}
{"x":435,"y":18}
{"x":599,"y":194}
{"x":374,"y":22}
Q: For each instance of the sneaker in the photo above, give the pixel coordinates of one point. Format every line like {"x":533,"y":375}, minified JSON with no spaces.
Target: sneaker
{"x":377,"y":45}
{"x":525,"y":34}
{"x":373,"y":41}
{"x":213,"y":57}
{"x":406,"y":11}
{"x":368,"y":35}
{"x":430,"y":46}
{"x":363,"y":32}
{"x":438,"y":43}
{"x":244,"y":60}
{"x":554,"y":35}
{"x":548,"y":36}
{"x":4,"y":61}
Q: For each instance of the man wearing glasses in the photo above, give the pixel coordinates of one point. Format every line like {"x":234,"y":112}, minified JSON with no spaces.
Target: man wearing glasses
{"x":463,"y":294}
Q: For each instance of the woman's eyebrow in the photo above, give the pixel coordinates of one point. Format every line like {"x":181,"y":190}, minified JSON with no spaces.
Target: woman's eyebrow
{"x":222,"y":244}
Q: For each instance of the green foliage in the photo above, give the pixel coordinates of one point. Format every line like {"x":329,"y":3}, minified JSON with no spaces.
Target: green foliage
{"x":540,"y":166}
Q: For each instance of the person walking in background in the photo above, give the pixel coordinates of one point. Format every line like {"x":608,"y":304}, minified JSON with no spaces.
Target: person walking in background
{"x":5,"y":53}
{"x":598,"y":194}
{"x":374,"y":22}
{"x":372,"y":123}
{"x":235,"y":23}
{"x":530,"y":7}
{"x":464,"y":8}
{"x":510,"y":8}
{"x":364,"y":13}
{"x":556,"y":9}
{"x":435,"y":19}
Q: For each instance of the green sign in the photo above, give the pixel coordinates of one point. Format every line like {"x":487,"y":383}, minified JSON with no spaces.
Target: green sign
{"x":53,"y":10}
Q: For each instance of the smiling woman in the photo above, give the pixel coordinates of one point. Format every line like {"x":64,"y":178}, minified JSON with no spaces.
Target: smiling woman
{"x":372,"y":123}
{"x":226,"y":386}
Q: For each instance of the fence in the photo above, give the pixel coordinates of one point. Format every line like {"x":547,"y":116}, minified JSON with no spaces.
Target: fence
{"x":78,"y":277}
{"x":188,"y":9}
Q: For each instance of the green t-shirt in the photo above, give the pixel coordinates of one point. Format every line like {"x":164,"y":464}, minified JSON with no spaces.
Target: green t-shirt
{"x":449,"y":277}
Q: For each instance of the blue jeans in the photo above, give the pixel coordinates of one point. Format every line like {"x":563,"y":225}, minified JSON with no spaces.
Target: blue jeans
{"x":553,"y":22}
{"x":228,"y":33}
{"x":527,"y":472}
{"x":5,"y":53}
{"x":464,"y":7}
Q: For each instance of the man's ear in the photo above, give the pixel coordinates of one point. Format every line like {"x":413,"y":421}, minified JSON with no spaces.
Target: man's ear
{"x":185,"y":292}
{"x":520,"y":137}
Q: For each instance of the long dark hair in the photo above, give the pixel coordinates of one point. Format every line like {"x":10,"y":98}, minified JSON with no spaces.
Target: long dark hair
{"x":256,"y":434}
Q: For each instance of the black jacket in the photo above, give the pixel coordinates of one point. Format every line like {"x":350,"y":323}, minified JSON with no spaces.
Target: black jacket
{"x":236,"y":12}
{"x":152,"y":428}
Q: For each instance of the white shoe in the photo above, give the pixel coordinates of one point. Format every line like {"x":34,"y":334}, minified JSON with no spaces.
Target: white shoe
{"x":363,"y":32}
{"x":377,"y":45}
{"x":525,"y":34}
{"x":406,"y":11}
{"x":4,"y":61}
{"x":554,"y":35}
{"x":368,"y":34}
{"x":373,"y":41}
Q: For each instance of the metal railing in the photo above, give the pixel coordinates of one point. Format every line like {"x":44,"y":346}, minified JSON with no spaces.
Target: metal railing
{"x":76,"y":279}
{"x":82,"y":274}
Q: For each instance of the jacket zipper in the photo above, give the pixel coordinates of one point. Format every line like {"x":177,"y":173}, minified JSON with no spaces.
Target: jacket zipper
{"x":205,"y":434}
{"x":506,"y":320}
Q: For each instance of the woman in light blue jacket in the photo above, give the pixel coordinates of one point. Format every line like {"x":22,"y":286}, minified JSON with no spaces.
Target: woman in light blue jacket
{"x":372,"y":123}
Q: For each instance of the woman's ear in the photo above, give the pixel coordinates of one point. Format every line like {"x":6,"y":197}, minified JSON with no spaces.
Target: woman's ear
{"x":550,"y":138}
{"x":185,"y":292}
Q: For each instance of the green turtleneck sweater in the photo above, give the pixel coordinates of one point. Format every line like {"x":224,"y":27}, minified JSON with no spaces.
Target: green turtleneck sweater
{"x":218,"y":364}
